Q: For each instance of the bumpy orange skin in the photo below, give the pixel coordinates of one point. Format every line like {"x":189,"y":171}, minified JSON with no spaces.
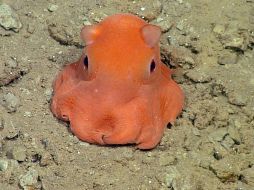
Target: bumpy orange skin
{"x":117,"y":99}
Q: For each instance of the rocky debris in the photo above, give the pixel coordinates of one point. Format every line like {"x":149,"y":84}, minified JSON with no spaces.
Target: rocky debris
{"x":234,"y":134}
{"x":200,"y":159}
{"x":65,"y":34}
{"x":11,"y":71}
{"x":180,"y":57}
{"x":165,"y":24}
{"x":46,"y":159}
{"x":219,"y":134}
{"x":3,"y":164}
{"x":86,"y":21}
{"x":10,"y":102}
{"x":247,"y":176}
{"x":228,"y":142}
{"x":201,"y":114}
{"x":17,"y":153}
{"x":9,"y":20}
{"x":227,"y":137}
{"x":48,"y":94}
{"x":1,"y":123}
{"x":166,"y":159}
{"x":219,"y":151}
{"x":10,"y":129}
{"x":228,"y":58}
{"x":198,"y":76}
{"x":185,"y":176}
{"x":219,"y":29}
{"x":236,"y":42}
{"x":29,"y":180}
{"x":237,"y":98}
{"x":52,"y":7}
{"x":229,"y":168}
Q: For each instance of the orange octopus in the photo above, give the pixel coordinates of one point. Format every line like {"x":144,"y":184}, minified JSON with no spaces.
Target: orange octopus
{"x":119,"y":91}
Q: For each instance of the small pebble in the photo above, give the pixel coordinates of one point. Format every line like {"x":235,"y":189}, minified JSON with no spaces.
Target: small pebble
{"x":48,"y":93}
{"x":17,"y":153}
{"x":29,"y":180}
{"x":1,"y":123}
{"x":9,"y":20}
{"x":3,"y":164}
{"x":219,"y":134}
{"x":12,"y":63}
{"x":52,"y":7}
{"x":10,"y":102}
{"x":219,"y":29}
{"x":234,"y":41}
{"x":237,"y":98}
{"x":228,"y":143}
{"x":179,"y":25}
{"x":227,"y":59}
{"x":46,"y":159}
{"x":30,"y":29}
{"x":27,"y":114}
{"x":234,"y":134}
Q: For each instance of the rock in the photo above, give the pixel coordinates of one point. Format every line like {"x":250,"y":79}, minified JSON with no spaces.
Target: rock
{"x":185,"y":176}
{"x":219,"y":29}
{"x":172,"y":176}
{"x":11,"y":70}
{"x":234,"y":134}
{"x":11,"y":63}
{"x":247,"y":176}
{"x":228,"y":143}
{"x":229,"y":58}
{"x":180,"y":57}
{"x":17,"y":153}
{"x":27,"y":114}
{"x":30,"y":28}
{"x":234,"y":41}
{"x":86,"y":21}
{"x":29,"y":180}
{"x":64,"y":34}
{"x":166,"y":159}
{"x":229,"y":168}
{"x":46,"y":159}
{"x":165,"y":24}
{"x":10,"y":102}
{"x":237,"y":98}
{"x":9,"y":20}
{"x":198,"y":76}
{"x":1,"y":123}
{"x":52,"y":7}
{"x":3,"y":164}
{"x":48,"y":93}
{"x":179,"y":25}
{"x":219,"y":151}
{"x":11,"y":129}
{"x":219,"y":134}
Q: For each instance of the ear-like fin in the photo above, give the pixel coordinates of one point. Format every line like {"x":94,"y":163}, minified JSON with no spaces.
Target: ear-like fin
{"x":151,"y":34}
{"x":89,"y":33}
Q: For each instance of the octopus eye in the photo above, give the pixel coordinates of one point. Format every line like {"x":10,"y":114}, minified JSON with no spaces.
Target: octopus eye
{"x":85,"y":61}
{"x":152,"y":66}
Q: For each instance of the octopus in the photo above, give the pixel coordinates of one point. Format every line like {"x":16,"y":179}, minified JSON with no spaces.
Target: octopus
{"x":119,"y":91}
